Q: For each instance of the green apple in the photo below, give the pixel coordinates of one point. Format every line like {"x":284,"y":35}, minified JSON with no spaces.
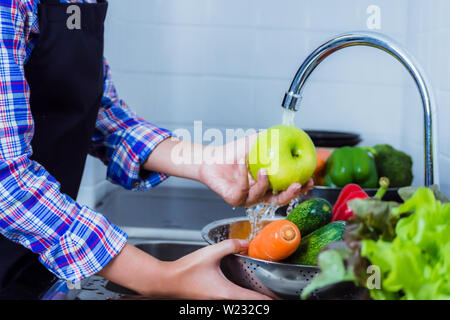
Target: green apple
{"x":287,"y":153}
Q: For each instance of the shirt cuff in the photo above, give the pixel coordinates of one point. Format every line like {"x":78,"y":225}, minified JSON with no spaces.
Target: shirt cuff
{"x":86,"y":248}
{"x":125,"y":165}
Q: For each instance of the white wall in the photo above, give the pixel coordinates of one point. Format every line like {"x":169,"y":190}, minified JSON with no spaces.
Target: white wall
{"x":229,"y":62}
{"x":428,"y":40}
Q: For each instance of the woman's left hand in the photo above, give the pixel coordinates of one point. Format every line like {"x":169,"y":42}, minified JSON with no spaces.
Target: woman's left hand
{"x":223,"y":169}
{"x":232,"y":181}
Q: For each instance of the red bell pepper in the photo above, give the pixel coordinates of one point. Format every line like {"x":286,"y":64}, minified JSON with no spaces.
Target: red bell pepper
{"x":345,"y":192}
{"x":341,"y":211}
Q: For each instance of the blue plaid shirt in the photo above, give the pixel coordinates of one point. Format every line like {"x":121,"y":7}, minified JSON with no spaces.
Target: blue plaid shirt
{"x":73,"y":241}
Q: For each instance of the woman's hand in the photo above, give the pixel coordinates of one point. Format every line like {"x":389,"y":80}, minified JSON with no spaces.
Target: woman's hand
{"x":198,"y":275}
{"x":236,"y":186}
{"x":195,"y":276}
{"x":227,"y":174}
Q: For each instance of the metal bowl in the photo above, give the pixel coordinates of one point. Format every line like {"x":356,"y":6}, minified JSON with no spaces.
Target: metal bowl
{"x":275,"y":279}
{"x":332,"y":194}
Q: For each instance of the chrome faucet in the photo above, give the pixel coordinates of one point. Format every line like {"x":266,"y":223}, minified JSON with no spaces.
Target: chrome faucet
{"x":372,"y":39}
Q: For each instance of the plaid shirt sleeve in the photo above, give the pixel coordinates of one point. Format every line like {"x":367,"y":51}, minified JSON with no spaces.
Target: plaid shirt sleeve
{"x":72,"y":241}
{"x":123,"y":141}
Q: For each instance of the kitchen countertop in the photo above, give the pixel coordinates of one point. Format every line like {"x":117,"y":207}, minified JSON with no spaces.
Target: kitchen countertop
{"x":92,"y":288}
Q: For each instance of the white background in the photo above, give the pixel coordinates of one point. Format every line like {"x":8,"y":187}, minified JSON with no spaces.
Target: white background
{"x":229,"y":62}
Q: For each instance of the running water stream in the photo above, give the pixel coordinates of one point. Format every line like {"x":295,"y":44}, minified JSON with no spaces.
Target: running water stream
{"x":288,"y":117}
{"x":257,"y":214}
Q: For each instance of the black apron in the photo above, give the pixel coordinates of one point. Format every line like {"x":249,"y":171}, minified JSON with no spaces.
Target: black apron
{"x":65,"y":75}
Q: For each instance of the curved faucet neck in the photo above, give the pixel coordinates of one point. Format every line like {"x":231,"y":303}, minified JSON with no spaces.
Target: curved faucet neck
{"x":360,"y":38}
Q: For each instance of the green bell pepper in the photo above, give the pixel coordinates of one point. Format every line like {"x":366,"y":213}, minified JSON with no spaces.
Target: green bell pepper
{"x":351,"y":165}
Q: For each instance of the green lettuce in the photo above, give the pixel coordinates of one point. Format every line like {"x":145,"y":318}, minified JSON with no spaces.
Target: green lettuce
{"x":409,"y":244}
{"x":407,"y":193}
{"x":416,"y":264}
{"x":334,"y":270}
{"x":372,"y":219}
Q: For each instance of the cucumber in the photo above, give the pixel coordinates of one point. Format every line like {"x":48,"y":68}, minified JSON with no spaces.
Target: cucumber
{"x":311,"y":215}
{"x":312,"y":244}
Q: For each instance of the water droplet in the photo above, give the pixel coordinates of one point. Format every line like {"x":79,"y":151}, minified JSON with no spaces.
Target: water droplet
{"x":257,"y":214}
{"x":292,"y":205}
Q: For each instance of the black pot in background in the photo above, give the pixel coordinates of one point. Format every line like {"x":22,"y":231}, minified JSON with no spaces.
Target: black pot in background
{"x":333,"y":139}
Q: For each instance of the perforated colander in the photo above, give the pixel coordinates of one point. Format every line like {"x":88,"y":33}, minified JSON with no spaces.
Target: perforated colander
{"x":278,"y":280}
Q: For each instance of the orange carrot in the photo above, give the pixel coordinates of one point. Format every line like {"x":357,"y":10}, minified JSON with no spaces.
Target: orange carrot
{"x":319,"y":173}
{"x":322,"y":157}
{"x":276,"y":241}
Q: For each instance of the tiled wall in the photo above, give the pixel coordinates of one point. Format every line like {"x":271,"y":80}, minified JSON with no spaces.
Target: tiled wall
{"x":229,"y":62}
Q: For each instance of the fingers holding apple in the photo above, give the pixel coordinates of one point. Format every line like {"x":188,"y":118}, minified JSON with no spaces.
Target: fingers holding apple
{"x":258,"y":188}
{"x":259,"y":192}
{"x":288,"y":156}
{"x":294,"y":191}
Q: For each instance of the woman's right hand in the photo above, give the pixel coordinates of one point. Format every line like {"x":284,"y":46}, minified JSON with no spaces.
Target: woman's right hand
{"x":198,"y":275}
{"x":195,"y":276}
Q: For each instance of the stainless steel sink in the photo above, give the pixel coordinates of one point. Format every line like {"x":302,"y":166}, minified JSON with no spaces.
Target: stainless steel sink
{"x":162,"y":250}
{"x":173,"y":208}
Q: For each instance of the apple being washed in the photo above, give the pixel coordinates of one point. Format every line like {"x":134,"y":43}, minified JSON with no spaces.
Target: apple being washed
{"x":288,"y":155}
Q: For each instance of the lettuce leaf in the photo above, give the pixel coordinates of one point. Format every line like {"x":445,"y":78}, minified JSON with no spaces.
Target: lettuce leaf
{"x":416,"y":264}
{"x":372,"y":220}
{"x":409,"y":243}
{"x":407,"y":193}
{"x":333,"y":269}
